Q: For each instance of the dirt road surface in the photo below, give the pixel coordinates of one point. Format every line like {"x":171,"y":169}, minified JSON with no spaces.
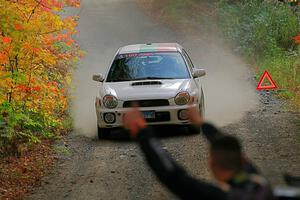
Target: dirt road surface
{"x":115,"y":169}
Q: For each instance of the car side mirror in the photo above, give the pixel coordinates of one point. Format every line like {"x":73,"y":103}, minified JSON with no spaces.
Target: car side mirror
{"x":98,"y":77}
{"x":198,"y":73}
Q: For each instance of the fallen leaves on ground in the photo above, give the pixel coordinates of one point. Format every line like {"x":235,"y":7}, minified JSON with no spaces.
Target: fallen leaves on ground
{"x":19,"y":174}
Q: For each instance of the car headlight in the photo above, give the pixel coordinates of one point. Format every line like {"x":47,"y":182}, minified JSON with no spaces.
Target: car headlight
{"x":109,"y":101}
{"x":182,"y":98}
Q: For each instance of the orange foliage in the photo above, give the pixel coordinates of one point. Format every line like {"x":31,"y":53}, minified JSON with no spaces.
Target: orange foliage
{"x":37,"y":53}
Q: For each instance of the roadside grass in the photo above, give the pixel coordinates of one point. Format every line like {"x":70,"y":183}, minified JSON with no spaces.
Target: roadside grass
{"x":285,"y":70}
{"x":261,"y":32}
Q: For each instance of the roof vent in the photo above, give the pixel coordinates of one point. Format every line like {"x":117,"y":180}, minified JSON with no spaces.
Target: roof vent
{"x":147,"y":83}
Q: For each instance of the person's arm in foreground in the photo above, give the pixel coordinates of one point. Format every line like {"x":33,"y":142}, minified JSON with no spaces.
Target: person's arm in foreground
{"x":165,"y":168}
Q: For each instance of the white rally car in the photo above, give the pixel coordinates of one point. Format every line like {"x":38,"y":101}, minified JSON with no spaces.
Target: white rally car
{"x":160,"y":77}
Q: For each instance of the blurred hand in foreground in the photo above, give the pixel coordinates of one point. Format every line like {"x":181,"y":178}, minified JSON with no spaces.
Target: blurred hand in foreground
{"x":194,"y":116}
{"x":133,"y":120}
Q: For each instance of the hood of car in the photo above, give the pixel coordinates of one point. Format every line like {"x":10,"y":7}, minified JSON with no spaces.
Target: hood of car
{"x":147,"y":89}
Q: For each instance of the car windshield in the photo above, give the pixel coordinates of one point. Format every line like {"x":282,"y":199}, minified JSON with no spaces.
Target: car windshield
{"x":143,"y":66}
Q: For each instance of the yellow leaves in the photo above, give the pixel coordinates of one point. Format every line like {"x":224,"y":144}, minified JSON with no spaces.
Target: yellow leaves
{"x":28,"y":47}
{"x":36,"y":54}
{"x":70,"y":23}
{"x":68,"y":80}
{"x":3,"y":58}
{"x":4,"y":76}
{"x":8,"y":83}
{"x":73,"y":3}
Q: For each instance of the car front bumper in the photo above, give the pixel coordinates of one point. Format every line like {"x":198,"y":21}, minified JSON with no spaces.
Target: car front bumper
{"x":164,"y":115}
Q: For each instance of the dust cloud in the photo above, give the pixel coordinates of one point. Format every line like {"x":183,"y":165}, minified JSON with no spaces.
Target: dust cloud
{"x":228,"y":85}
{"x":106,"y":25}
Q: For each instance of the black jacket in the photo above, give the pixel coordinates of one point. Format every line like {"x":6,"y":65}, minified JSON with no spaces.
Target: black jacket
{"x":250,"y":186}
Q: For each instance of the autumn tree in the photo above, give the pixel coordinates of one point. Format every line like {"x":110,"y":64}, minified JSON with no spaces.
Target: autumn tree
{"x":37,"y":52}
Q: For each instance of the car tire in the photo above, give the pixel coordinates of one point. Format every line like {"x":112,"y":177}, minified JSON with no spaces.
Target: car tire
{"x":192,"y":129}
{"x":103,"y":133}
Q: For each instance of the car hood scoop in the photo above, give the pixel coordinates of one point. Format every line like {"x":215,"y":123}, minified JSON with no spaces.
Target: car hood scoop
{"x":147,"y":83}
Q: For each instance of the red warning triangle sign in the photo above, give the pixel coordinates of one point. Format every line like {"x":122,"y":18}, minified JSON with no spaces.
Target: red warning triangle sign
{"x":261,"y":86}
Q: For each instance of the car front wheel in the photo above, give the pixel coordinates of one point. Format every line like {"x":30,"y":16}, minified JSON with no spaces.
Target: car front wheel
{"x":103,"y":133}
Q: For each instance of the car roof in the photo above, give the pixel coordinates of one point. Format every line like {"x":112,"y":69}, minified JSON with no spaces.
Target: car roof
{"x":150,"y":47}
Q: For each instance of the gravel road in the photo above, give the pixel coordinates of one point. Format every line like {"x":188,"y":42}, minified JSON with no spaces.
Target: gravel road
{"x":115,"y":169}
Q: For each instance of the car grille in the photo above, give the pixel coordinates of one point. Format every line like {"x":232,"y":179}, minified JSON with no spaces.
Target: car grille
{"x":147,"y":103}
{"x":160,"y":117}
